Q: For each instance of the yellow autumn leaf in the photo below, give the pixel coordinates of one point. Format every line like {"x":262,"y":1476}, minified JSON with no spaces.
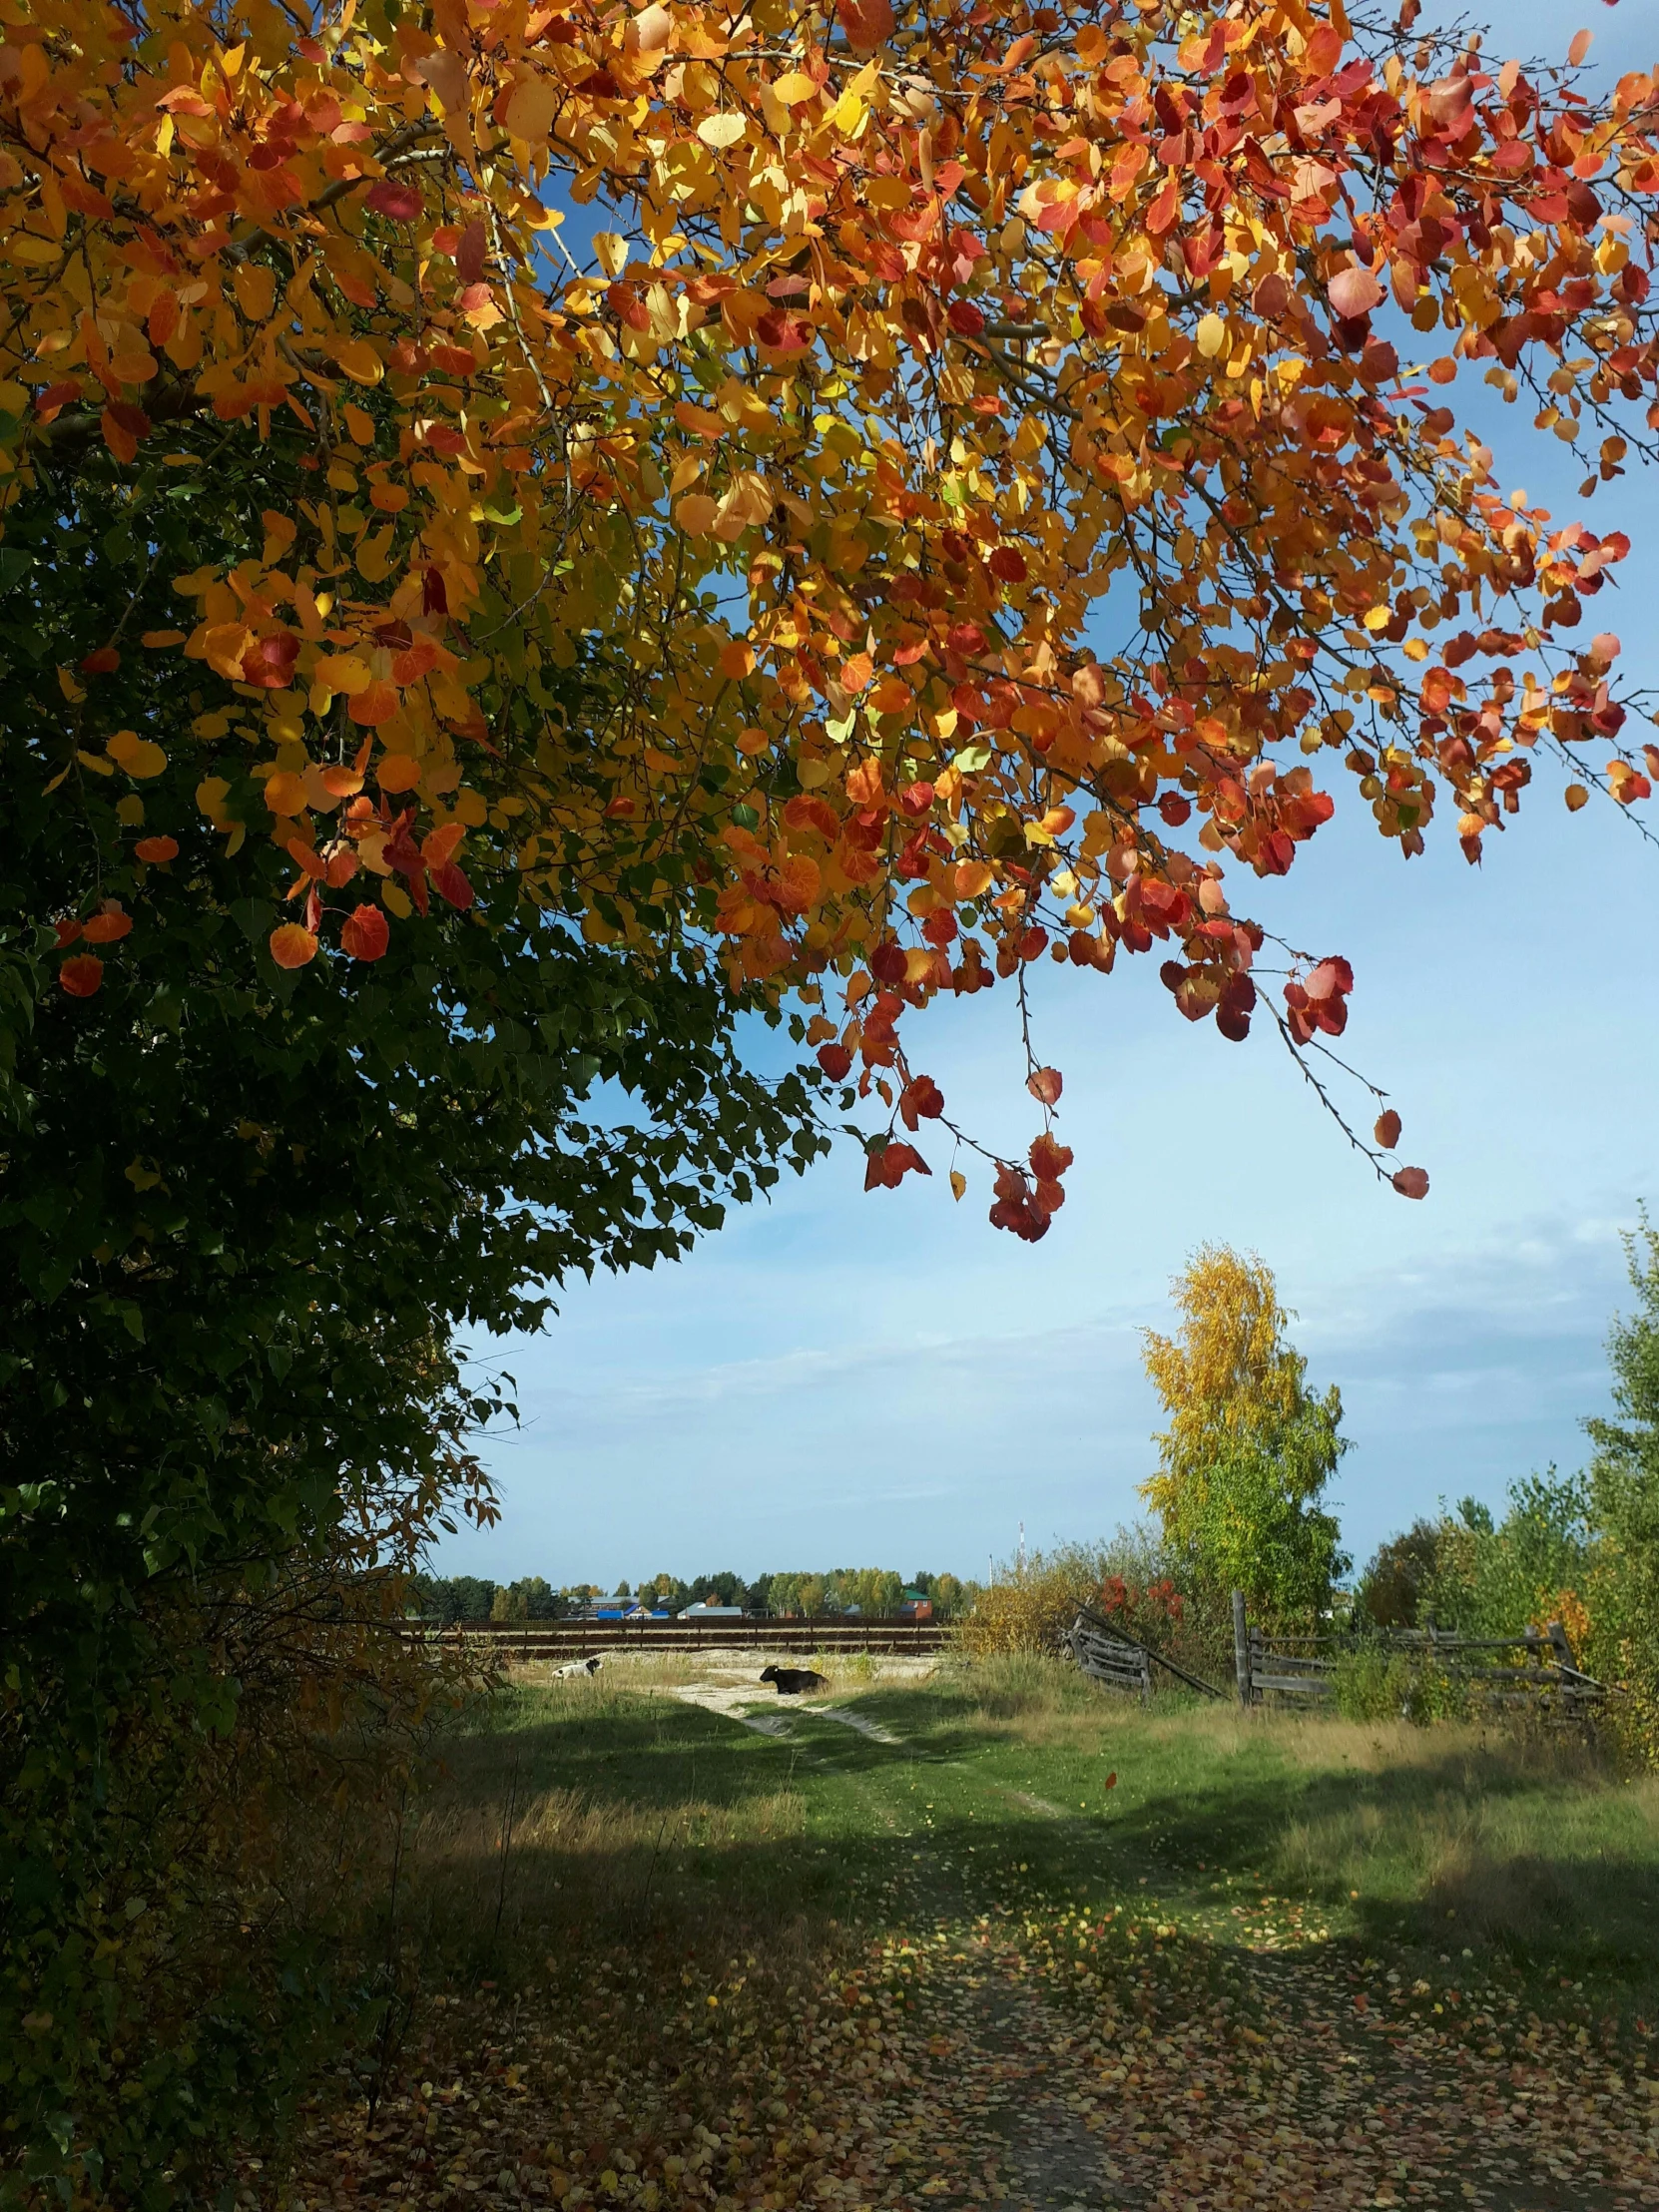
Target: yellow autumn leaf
{"x":138,"y":755}
{"x":611,"y":252}
{"x":533,"y":106}
{"x":255,"y":290}
{"x":1575,"y":796}
{"x":1210,"y":336}
{"x":696,"y":514}
{"x":359,"y":360}
{"x":793,"y":87}
{"x":723,"y":130}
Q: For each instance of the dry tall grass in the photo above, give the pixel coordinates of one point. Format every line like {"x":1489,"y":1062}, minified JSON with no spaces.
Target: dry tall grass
{"x":501,"y":1863}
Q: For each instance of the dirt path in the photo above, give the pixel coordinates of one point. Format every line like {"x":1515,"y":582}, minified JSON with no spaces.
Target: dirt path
{"x":1280,"y":2094}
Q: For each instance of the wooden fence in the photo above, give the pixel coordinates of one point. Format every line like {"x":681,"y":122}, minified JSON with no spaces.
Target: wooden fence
{"x":522,"y":1641}
{"x":1532,"y":1668}
{"x":1109,"y":1656}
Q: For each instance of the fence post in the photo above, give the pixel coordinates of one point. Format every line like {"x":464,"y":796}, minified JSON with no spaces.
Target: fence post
{"x":1240,"y":1648}
{"x":1571,"y":1702}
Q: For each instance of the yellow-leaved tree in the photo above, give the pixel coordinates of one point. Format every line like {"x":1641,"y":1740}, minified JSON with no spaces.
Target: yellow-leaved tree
{"x":1249,"y":1449}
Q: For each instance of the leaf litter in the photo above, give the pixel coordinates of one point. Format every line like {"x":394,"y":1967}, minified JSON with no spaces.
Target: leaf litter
{"x":973,"y":2041}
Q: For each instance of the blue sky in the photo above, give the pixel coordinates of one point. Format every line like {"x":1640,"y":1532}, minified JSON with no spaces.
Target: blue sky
{"x":847,"y":1379}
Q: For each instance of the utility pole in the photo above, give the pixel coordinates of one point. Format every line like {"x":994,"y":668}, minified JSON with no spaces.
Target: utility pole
{"x":1022,"y":1550}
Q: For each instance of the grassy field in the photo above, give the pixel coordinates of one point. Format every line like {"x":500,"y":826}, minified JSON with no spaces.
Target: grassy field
{"x":993,"y":1937}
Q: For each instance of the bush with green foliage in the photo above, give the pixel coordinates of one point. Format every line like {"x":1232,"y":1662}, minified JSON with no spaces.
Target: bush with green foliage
{"x":245,"y":1211}
{"x":1490,"y":1578}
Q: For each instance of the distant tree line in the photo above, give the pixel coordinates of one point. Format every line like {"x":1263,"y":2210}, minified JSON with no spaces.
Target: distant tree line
{"x":871,"y":1591}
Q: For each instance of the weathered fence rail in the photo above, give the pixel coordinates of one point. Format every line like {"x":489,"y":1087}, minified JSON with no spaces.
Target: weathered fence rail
{"x":1108,"y":1658}
{"x":1117,"y":1661}
{"x":581,"y":1639}
{"x":1547,"y":1675}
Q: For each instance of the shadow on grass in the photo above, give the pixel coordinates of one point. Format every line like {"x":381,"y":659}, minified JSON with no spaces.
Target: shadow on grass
{"x":617,"y":1818}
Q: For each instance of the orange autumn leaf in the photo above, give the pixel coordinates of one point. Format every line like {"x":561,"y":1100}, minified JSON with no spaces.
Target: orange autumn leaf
{"x":81,"y":976}
{"x":291,"y":946}
{"x":106,"y":928}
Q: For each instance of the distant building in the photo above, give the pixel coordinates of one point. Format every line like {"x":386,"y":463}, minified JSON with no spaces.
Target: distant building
{"x":703,"y":1611}
{"x":914,"y":1607}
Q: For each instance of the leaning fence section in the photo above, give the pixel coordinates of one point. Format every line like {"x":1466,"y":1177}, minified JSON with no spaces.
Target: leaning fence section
{"x":1108,"y":1658}
{"x":1114,"y":1659}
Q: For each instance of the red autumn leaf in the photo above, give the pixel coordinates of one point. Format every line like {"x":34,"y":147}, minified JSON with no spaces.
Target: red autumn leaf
{"x":1355,"y":292}
{"x":1049,"y":1158}
{"x":81,"y":975}
{"x":1045,"y":1085}
{"x":401,"y":202}
{"x":66,"y":931}
{"x":104,"y":662}
{"x":888,"y":1164}
{"x":1412,"y":1183}
{"x":887,"y":962}
{"x":1329,"y":980}
{"x":269,"y":661}
{"x":965,"y":318}
{"x":156,"y":851}
{"x":1386,"y":1131}
{"x":106,"y":928}
{"x":868,"y":23}
{"x":836,"y":1061}
{"x":471,"y":251}
{"x":920,"y":1100}
{"x":1111,"y":1781}
{"x":365,"y":933}
{"x":450,"y":882}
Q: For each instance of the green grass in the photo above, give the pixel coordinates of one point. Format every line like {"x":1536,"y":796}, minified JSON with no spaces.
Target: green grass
{"x":610,"y":1811}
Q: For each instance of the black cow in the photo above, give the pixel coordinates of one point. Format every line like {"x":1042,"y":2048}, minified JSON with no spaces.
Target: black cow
{"x":792,"y":1681}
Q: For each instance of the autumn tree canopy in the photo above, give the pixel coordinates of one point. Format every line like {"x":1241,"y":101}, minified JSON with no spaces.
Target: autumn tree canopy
{"x":1250,"y":1448}
{"x":993,"y":472}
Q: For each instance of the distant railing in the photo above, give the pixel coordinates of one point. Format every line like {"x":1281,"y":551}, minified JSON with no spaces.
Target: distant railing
{"x":1547,"y":1675}
{"x":580,"y":1639}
